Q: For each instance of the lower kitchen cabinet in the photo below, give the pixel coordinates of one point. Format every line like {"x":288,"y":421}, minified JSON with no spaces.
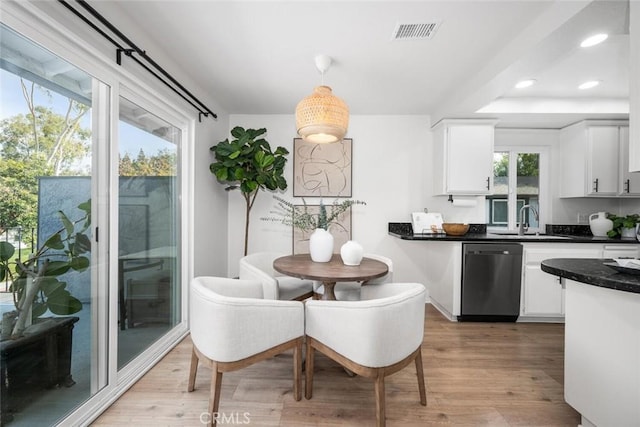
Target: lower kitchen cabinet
{"x":620,"y":251}
{"x":542,"y":293}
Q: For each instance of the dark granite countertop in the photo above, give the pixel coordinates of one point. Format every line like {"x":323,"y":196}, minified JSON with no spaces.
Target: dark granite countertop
{"x":592,"y":271}
{"x":477,"y":233}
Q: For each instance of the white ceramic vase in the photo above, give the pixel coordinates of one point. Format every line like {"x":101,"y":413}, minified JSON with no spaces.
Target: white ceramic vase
{"x":600,"y":224}
{"x":351,"y":253}
{"x":321,"y":245}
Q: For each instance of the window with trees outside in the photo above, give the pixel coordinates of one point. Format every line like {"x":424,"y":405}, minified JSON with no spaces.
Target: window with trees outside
{"x":516,"y":191}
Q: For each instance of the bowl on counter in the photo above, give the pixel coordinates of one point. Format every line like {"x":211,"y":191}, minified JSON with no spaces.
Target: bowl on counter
{"x":455,"y":229}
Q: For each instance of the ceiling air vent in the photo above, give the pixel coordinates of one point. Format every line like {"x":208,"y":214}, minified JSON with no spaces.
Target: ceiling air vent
{"x":415,"y":31}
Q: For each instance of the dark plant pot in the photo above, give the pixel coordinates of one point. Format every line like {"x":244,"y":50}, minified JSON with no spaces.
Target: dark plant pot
{"x":41,"y":360}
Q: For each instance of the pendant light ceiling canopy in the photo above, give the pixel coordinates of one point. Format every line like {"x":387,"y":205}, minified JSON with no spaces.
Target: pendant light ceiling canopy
{"x":322,"y":117}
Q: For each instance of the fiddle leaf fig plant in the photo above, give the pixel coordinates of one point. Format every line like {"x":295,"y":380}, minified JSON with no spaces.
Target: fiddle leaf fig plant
{"x":35,"y":282}
{"x":247,"y":163}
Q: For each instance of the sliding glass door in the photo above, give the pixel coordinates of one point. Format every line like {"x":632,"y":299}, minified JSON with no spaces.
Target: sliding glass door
{"x":47,"y":190}
{"x":148,"y":231}
{"x":94,"y":182}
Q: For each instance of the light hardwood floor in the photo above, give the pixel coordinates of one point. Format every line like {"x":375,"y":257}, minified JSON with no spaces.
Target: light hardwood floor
{"x":493,"y":374}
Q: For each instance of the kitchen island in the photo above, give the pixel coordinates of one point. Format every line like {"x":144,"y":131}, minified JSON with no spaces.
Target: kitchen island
{"x":602,"y":340}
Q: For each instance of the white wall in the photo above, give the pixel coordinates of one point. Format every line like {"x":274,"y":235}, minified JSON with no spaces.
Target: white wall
{"x":390,"y":163}
{"x":210,"y":231}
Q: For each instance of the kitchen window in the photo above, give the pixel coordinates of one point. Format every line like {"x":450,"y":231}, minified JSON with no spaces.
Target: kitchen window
{"x":517,"y":174}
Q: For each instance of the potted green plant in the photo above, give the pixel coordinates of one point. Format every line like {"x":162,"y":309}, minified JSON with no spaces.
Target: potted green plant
{"x":35,"y":282}
{"x":300,"y":217}
{"x":248,"y":164}
{"x":303,"y":219}
{"x":623,"y":226}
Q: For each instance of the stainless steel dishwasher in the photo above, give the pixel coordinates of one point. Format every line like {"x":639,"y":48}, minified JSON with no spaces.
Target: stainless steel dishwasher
{"x":491,"y":278}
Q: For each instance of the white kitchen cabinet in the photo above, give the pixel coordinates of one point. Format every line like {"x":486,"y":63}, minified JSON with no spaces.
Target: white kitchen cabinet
{"x":542,"y":293}
{"x":629,"y":181}
{"x":463,"y":157}
{"x":602,"y":160}
{"x":595,"y":160}
{"x":620,"y":251}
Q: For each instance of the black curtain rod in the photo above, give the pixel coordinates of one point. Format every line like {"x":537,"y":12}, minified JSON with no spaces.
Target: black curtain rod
{"x":141,"y":52}
{"x":132,"y":48}
{"x":127,"y":52}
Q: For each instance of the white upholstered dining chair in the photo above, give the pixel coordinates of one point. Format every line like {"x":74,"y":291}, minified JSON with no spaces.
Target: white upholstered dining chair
{"x":259,"y":266}
{"x":350,"y":291}
{"x":233,"y":327}
{"x":384,"y":334}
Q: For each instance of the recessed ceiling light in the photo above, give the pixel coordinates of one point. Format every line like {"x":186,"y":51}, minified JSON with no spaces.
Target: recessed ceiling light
{"x":594,"y":40}
{"x":589,"y":84}
{"x":525,"y":83}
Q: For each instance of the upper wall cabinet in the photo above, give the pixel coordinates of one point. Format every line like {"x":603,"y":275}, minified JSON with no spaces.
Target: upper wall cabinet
{"x":594,"y":159}
{"x":463,"y":157}
{"x":630,"y":180}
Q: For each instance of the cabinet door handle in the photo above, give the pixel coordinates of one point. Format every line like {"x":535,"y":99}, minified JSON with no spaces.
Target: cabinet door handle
{"x":595,"y":185}
{"x":627,"y":187}
{"x":488,"y":182}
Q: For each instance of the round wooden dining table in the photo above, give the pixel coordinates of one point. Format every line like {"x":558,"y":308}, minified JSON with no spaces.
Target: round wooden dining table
{"x":329,"y":273}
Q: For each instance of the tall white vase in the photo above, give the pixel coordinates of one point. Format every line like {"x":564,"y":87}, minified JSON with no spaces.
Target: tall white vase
{"x":321,"y":245}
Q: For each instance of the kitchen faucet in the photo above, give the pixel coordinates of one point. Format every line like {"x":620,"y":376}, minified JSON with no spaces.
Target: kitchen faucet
{"x":522,"y":228}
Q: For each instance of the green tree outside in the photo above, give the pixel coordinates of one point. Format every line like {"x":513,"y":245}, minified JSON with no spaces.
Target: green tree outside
{"x":38,"y":143}
{"x":161,"y":164}
{"x":42,"y":142}
{"x":527,"y":164}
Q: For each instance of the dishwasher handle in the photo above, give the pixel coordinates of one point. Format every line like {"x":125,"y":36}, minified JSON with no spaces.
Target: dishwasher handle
{"x":483,"y":252}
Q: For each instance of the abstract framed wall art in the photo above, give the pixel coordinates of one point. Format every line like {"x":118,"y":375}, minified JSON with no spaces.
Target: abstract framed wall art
{"x":340,"y":229}
{"x":322,"y":170}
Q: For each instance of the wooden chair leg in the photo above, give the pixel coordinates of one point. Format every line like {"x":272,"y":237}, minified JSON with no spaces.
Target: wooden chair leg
{"x":214,"y":398}
{"x":297,"y":370}
{"x":380,"y":400}
{"x":309,"y":371}
{"x":420,"y":372}
{"x":192,"y":371}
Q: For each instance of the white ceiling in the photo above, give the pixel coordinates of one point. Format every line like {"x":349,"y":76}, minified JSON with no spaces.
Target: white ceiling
{"x":257,"y":57}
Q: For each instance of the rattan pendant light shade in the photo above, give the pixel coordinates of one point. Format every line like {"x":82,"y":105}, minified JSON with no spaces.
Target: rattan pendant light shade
{"x":322,"y":117}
